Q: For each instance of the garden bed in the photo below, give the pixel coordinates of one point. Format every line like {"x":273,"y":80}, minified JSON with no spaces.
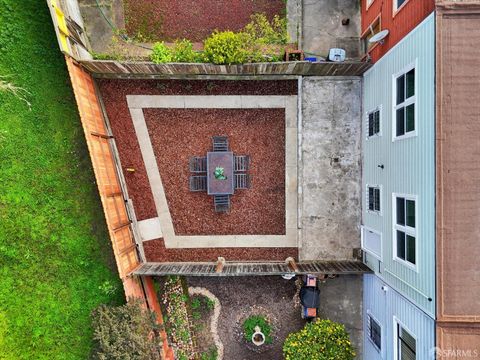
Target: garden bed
{"x":168,"y":20}
{"x":269,"y":296}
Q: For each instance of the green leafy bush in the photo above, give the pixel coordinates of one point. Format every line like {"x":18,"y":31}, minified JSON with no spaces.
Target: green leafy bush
{"x":319,"y":340}
{"x":123,"y":332}
{"x":226,"y":47}
{"x":263,"y":31}
{"x":161,"y":53}
{"x":183,"y":52}
{"x":211,"y":354}
{"x":260,"y":321}
{"x":195,"y":304}
{"x":210,"y":303}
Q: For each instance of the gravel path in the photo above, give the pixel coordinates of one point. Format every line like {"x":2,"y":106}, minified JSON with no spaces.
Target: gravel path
{"x":214,"y":321}
{"x":241,"y":297}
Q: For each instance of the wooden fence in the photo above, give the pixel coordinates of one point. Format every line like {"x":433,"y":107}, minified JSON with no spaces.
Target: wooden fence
{"x":115,"y":69}
{"x":118,"y":222}
{"x":103,"y":163}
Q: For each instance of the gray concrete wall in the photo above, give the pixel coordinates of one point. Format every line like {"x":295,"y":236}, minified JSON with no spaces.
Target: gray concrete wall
{"x":341,"y":300}
{"x":330,"y":168}
{"x":294,"y":20}
{"x":98,"y":30}
{"x":322,"y":26}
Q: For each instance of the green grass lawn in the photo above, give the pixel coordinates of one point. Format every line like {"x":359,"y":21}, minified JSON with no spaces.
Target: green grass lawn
{"x":56,"y":263}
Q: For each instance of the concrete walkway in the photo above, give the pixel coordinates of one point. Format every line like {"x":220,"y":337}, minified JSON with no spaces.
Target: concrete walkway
{"x":322,"y":27}
{"x":102,"y":37}
{"x":329,"y":168}
{"x":163,"y":225}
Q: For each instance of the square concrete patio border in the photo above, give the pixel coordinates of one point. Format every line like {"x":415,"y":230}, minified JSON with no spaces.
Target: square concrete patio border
{"x":137,"y":103}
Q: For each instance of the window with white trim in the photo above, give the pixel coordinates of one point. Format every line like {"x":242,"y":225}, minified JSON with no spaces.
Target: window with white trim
{"x":405,"y":229}
{"x":375,"y":332}
{"x":405,"y":103}
{"x":373,"y":29}
{"x":373,"y":123}
{"x":406,"y":344}
{"x":373,"y":198}
{"x":399,"y":3}
{"x":369,"y":2}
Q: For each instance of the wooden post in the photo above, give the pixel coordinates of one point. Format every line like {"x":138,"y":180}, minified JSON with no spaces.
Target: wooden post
{"x":291,"y":264}
{"x":220,"y":264}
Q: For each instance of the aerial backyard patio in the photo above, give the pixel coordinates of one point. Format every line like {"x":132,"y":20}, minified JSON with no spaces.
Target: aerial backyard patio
{"x":228,"y":163}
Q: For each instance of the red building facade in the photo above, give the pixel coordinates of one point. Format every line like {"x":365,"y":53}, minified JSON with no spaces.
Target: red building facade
{"x":399,"y":17}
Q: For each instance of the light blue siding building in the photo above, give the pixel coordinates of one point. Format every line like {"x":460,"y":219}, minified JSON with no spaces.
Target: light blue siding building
{"x":398,"y":206}
{"x":390,"y":310}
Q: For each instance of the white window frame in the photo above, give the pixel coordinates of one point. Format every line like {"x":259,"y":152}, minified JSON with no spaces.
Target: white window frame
{"x":362,"y":242}
{"x":369,"y":3}
{"x":397,"y":322}
{"x":380,"y":121}
{"x":367,"y":198}
{"x":405,"y":103}
{"x":407,"y":229}
{"x":397,"y":8}
{"x":369,"y":317}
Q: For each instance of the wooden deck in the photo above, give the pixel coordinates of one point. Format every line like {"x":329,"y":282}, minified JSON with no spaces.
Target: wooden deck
{"x":251,"y":268}
{"x":132,"y":70}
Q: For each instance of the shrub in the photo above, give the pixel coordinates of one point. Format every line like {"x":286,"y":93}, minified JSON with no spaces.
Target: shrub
{"x":260,"y":321}
{"x":161,"y":53}
{"x":124,"y":332}
{"x":211,"y":354}
{"x":195,"y":304}
{"x":210,"y":303}
{"x":264,"y":32}
{"x":227,"y":47}
{"x":183,"y":52}
{"x":319,"y":340}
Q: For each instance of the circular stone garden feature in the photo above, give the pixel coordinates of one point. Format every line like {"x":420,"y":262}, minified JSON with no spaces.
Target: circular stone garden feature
{"x":258,"y":338}
{"x":257,"y":330}
{"x":319,"y":340}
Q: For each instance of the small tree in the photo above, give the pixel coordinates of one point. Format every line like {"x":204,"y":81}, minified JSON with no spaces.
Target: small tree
{"x":319,"y":340}
{"x":125,"y":332}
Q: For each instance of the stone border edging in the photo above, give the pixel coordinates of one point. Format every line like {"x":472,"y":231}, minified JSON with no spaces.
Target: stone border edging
{"x":216,"y":314}
{"x":136,"y":105}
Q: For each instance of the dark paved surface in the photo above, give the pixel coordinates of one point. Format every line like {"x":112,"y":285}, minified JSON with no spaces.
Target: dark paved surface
{"x":341,"y":300}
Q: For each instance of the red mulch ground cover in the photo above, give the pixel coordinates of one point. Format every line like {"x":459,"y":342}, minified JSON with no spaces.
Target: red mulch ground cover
{"x":195,"y":20}
{"x":155,"y":251}
{"x":179,"y":134}
{"x":114,"y":94}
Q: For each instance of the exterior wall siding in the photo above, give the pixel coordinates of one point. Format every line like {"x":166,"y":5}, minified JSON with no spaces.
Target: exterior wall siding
{"x":458,"y":173}
{"x":387,"y":305}
{"x":399,"y":23}
{"x":409,"y":164}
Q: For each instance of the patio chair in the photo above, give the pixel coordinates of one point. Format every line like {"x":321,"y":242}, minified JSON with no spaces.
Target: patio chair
{"x":198,"y":164}
{"x":242,"y":181}
{"x":220,"y":143}
{"x":222,"y":203}
{"x":198,"y":183}
{"x":241,"y":163}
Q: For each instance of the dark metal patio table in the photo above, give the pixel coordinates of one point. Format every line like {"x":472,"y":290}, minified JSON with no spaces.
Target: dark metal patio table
{"x":224,"y":160}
